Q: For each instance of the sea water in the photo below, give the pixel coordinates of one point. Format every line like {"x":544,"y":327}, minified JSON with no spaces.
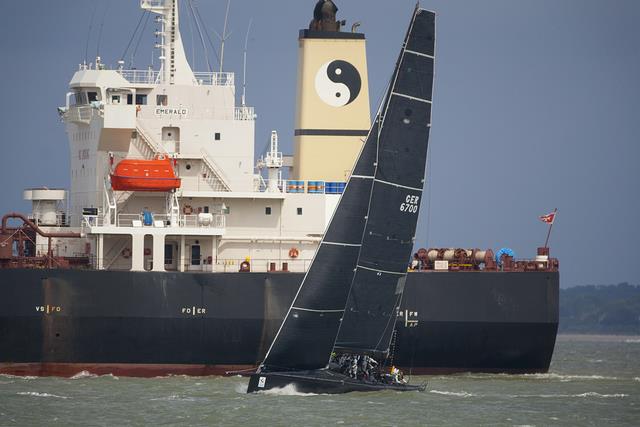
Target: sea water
{"x":593,"y":380}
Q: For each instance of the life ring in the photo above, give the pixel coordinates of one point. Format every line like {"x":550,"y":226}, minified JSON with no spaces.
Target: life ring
{"x":147,"y":251}
{"x":126,"y":253}
{"x":293,"y":253}
{"x":187,"y":210}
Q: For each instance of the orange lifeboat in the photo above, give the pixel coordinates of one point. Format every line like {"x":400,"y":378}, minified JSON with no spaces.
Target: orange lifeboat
{"x":145,"y":175}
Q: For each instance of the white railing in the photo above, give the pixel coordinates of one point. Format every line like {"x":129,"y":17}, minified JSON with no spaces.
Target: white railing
{"x":82,"y":114}
{"x":151,"y":4}
{"x":213,"y":169}
{"x":137,"y":220}
{"x":244,"y":113}
{"x":215,"y":78}
{"x":141,"y":76}
{"x":61,"y":219}
{"x":294,"y":265}
{"x":152,"y":77}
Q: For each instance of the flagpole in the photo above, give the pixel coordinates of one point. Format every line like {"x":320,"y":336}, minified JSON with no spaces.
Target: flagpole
{"x":546,"y":242}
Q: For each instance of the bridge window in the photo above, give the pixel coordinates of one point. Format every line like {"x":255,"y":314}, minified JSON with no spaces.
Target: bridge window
{"x":80,"y":98}
{"x":92,"y":96}
{"x":141,"y":99}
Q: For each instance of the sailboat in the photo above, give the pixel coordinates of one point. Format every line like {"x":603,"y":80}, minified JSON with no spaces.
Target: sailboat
{"x":348,"y":300}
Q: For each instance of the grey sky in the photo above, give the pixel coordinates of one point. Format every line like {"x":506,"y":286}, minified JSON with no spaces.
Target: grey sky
{"x":537,"y":106}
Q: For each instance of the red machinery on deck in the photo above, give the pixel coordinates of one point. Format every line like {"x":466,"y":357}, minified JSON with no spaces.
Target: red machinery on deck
{"x":145,"y":175}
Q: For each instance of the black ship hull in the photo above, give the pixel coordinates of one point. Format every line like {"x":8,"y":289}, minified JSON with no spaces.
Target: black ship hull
{"x":321,"y":382}
{"x":61,"y":322}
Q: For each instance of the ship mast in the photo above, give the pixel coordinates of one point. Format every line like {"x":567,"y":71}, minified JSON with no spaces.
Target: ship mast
{"x":174,"y":68}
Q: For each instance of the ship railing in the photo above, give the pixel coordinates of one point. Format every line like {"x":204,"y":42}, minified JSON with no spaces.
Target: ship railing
{"x":140,"y":76}
{"x":260,"y":265}
{"x":215,"y":78}
{"x":145,"y":4}
{"x":153,"y":77}
{"x":79,"y":114}
{"x":300,"y":186}
{"x":202,"y":220}
{"x":61,"y":219}
{"x":92,"y":221}
{"x":244,"y":113}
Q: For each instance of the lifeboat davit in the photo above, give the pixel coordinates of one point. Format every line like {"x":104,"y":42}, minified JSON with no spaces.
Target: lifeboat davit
{"x":145,"y":175}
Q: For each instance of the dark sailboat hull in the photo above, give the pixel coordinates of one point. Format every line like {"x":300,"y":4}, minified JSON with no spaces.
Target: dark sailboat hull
{"x":320,"y":382}
{"x":61,"y":322}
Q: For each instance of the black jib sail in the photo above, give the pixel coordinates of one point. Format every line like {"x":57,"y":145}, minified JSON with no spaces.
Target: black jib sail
{"x":395,"y":199}
{"x":369,"y":239}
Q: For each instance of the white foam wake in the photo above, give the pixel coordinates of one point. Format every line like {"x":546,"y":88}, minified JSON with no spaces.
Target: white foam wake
{"x":86,"y":374}
{"x":565,"y":378}
{"x":83,"y":374}
{"x":21,"y":377}
{"x":36,"y":394}
{"x":289,"y":390}
{"x":587,"y":394}
{"x":452,"y":393}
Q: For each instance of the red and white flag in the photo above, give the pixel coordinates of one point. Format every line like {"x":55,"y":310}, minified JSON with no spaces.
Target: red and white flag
{"x":548,"y":218}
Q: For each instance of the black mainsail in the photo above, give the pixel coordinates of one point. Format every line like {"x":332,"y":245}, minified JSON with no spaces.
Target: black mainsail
{"x":398,"y":182}
{"x":357,"y":275}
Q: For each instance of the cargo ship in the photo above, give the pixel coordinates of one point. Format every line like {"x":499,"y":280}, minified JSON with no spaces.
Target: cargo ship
{"x":173,"y":252}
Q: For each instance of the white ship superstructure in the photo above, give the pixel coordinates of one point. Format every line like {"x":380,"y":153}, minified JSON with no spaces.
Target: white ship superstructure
{"x":225,"y":215}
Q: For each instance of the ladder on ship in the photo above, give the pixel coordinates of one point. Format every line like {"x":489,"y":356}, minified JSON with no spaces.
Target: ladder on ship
{"x":212,"y":173}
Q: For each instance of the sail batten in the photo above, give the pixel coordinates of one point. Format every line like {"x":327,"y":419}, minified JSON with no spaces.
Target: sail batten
{"x":340,"y":310}
{"x":398,"y":185}
{"x":342,"y":244}
{"x":415,"y":98}
{"x":401,"y":273}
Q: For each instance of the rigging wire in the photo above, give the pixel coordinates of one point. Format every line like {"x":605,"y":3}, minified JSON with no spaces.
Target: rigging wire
{"x":190,"y":25}
{"x":215,"y":52}
{"x":204,"y":47}
{"x":124,"y":54}
{"x":104,"y":16}
{"x":135,"y":50}
{"x":86,"y":47}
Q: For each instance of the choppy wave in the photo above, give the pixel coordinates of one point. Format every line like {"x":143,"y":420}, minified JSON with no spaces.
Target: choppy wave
{"x":83,"y":374}
{"x":452,"y":393}
{"x":587,"y":394}
{"x":21,"y":377}
{"x":567,"y":377}
{"x":86,"y":374}
{"x":180,"y":398}
{"x":36,"y":394}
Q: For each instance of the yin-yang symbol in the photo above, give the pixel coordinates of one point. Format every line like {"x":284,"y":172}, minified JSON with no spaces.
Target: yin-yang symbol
{"x":338,"y":83}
